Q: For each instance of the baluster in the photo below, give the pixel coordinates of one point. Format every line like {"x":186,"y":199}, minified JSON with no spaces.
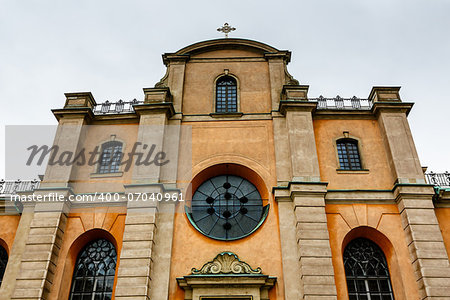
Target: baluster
{"x":34,"y":184}
{"x":133,"y":103}
{"x":321,"y":102}
{"x":433,"y":178}
{"x":356,"y":102}
{"x":16,"y":186}
{"x":105,"y":107}
{"x":119,"y":106}
{"x":339,"y":102}
{"x":2,"y":186}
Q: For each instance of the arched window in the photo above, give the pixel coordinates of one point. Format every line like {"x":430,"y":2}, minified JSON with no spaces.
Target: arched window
{"x":226,"y":94}
{"x":110,"y":158}
{"x":366,"y":271}
{"x":93,"y":276}
{"x":3,"y":262}
{"x":348,"y":154}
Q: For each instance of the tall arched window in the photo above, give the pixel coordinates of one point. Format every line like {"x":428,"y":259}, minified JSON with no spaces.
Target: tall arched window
{"x":93,"y":276}
{"x":348,"y":154}
{"x":111,"y":157}
{"x":366,"y":271}
{"x":3,"y":262}
{"x":226,"y":94}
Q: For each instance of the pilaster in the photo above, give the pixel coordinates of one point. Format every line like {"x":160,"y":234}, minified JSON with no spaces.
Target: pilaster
{"x":425,"y":242}
{"x":391,"y":113}
{"x":41,"y":249}
{"x":174,"y":78}
{"x":302,"y":145}
{"x":303,"y":203}
{"x":160,"y":273}
{"x":136,"y":258}
{"x":278,"y":74}
{"x":293,"y":289}
{"x":16,"y":253}
{"x":136,"y":278}
{"x":76,"y":113}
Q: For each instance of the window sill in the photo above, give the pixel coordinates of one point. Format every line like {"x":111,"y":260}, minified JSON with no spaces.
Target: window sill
{"x":106,"y":175}
{"x":226,"y":115}
{"x":361,"y":171}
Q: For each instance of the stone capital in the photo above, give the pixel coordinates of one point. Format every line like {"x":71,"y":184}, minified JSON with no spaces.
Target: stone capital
{"x":157,"y":95}
{"x":385,"y":94}
{"x":80,"y":99}
{"x":391,"y":107}
{"x":410,"y":191}
{"x":155,"y":108}
{"x":282,"y":54}
{"x":299,"y":189}
{"x":295,"y":92}
{"x":169,"y":58}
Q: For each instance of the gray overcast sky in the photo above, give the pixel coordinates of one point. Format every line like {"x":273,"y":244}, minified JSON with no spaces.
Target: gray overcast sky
{"x":113,"y":49}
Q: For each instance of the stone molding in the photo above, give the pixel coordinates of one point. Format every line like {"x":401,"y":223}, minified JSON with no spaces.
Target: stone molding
{"x":80,"y":99}
{"x":226,"y":263}
{"x":226,"y":276}
{"x":385,"y":93}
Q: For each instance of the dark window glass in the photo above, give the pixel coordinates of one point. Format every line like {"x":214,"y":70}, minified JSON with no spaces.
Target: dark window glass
{"x":226,"y":94}
{"x":110,"y":158}
{"x":93,"y":276}
{"x":366,"y":271}
{"x":3,"y":262}
{"x":348,"y":154}
{"x":227,"y":207}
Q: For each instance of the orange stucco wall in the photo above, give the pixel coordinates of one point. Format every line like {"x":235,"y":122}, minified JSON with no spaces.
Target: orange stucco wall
{"x":96,"y":135}
{"x":443,"y":216}
{"x":8,"y":228}
{"x":372,"y":152}
{"x":253,"y":82}
{"x":262,"y":248}
{"x":83,"y":226}
{"x":382,"y":224}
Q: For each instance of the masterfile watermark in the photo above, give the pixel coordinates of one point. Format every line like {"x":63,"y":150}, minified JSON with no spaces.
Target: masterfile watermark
{"x":74,"y":152}
{"x":140,"y":154}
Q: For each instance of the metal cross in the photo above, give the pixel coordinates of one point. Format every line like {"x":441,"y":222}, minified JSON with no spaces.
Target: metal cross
{"x":226,"y":29}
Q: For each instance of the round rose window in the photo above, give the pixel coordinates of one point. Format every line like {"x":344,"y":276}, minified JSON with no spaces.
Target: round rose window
{"x":227,"y":207}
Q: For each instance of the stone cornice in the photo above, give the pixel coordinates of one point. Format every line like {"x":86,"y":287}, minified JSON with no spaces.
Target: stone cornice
{"x":396,"y":107}
{"x":74,"y":113}
{"x":169,"y":58}
{"x":80,"y":99}
{"x":224,"y":42}
{"x":296,"y":188}
{"x":296,"y":105}
{"x":385,"y":93}
{"x":155,"y":108}
{"x":284,"y":55}
{"x":411,"y":190}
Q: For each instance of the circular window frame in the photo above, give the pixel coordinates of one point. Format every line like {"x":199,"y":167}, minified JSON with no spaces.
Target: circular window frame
{"x":264,"y":213}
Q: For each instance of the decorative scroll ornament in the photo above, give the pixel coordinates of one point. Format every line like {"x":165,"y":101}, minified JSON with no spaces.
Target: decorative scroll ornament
{"x":226,"y":263}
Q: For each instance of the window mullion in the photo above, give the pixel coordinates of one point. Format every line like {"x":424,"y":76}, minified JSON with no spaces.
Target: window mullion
{"x":347,"y":153}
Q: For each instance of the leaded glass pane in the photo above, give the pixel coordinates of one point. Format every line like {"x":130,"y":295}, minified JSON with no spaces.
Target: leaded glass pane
{"x":348,"y":154}
{"x":366,"y":271}
{"x":3,"y":262}
{"x":226,"y":207}
{"x":226,"y":94}
{"x":94,"y":271}
{"x":110,"y":158}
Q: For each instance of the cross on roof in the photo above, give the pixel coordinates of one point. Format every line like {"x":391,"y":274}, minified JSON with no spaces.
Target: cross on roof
{"x":226,"y":29}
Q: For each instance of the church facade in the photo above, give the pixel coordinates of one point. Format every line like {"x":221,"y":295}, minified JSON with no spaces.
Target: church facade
{"x":270,"y":194}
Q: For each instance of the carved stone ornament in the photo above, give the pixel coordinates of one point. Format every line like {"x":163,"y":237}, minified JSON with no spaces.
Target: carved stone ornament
{"x":226,"y":263}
